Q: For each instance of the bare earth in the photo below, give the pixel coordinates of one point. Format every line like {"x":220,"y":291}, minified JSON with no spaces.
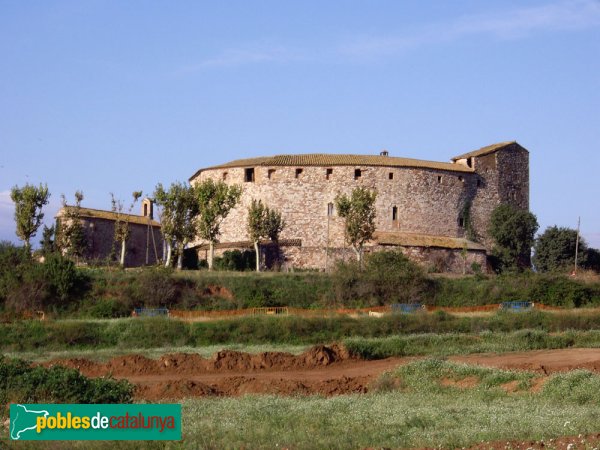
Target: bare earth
{"x":325,"y":370}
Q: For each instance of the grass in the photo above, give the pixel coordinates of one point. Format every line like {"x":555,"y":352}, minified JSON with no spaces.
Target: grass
{"x":127,"y":333}
{"x":418,"y":412}
{"x":108,"y":353}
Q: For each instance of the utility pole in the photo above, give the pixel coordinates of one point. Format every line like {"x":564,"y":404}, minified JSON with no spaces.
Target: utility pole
{"x":577,"y":244}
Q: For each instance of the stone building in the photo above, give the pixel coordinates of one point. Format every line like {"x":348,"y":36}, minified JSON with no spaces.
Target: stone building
{"x":437,"y":212}
{"x":143,"y":247}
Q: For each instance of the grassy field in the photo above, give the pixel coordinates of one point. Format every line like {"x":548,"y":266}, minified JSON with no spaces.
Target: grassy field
{"x":26,"y":336}
{"x":411,"y":407}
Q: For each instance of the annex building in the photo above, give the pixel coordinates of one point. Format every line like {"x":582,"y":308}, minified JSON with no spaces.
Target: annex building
{"x":436,"y":212}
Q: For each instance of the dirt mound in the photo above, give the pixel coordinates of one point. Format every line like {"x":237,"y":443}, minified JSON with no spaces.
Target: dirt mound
{"x":193,"y":364}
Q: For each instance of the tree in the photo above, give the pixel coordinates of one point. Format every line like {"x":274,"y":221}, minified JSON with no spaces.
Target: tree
{"x":513,"y":230}
{"x":70,"y":235}
{"x":122,"y":222}
{"x":555,"y":249}
{"x":359,"y":211}
{"x":178,"y":217}
{"x":263,"y":223}
{"x":48,"y":242}
{"x":215,"y":200}
{"x":29,"y":201}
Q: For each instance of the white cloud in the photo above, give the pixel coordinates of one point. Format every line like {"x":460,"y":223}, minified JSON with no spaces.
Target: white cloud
{"x":512,"y":24}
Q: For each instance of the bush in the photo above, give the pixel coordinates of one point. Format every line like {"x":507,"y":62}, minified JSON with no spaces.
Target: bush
{"x":22,"y":383}
{"x":236,"y":260}
{"x":388,"y":277}
{"x":156,"y":287}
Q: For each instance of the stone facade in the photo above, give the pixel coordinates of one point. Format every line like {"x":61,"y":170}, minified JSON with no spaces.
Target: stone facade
{"x":143,"y":247}
{"x":415,"y":199}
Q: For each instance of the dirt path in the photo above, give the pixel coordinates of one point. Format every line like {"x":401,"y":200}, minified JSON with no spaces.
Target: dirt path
{"x":542,"y":361}
{"x":326,"y":370}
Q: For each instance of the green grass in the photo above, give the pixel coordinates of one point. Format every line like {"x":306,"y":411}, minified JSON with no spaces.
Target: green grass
{"x":419,"y":412}
{"x":108,"y":353}
{"x":58,"y":335}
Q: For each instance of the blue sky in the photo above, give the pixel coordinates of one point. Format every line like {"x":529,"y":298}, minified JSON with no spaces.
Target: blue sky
{"x":113,"y":96}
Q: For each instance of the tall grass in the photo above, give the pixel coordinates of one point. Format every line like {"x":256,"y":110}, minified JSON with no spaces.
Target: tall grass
{"x":291,"y":330}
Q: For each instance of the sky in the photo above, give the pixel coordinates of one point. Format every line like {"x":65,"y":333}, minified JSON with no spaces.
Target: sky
{"x":115,"y":96}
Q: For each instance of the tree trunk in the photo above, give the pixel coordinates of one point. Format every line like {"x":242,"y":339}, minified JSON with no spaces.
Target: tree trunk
{"x":358,"y":252}
{"x":168,"y":258}
{"x":180,"y":258}
{"x":257,"y":250}
{"x":211,"y":254}
{"x":122,"y":259}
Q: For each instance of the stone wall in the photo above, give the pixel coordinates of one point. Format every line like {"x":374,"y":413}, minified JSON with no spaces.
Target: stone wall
{"x":427,"y":201}
{"x":100,"y":238}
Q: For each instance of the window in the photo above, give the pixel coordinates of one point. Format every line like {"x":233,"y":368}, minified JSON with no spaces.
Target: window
{"x":391,"y":176}
{"x":478,"y":183}
{"x":461,"y":222}
{"x":224,"y":176}
{"x":357,"y":174}
{"x":145,"y":214}
{"x":460,"y":178}
{"x":328,"y":173}
{"x":394,"y":213}
{"x":249,"y":175}
{"x":439,"y":178}
{"x":470,"y":162}
{"x":329,"y":209}
{"x":271,"y":173}
{"x":298,"y":173}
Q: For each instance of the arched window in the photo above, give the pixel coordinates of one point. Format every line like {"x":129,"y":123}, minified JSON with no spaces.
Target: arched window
{"x":329,"y":209}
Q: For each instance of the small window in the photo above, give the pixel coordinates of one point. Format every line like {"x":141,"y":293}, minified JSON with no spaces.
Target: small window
{"x":460,"y":179}
{"x":271,"y":173}
{"x":224,"y":176}
{"x":145,"y":209}
{"x":394,"y":213}
{"x":298,"y":173}
{"x":329,"y":209}
{"x":328,"y":173}
{"x":391,"y":176}
{"x":461,"y":222}
{"x":249,"y":175}
{"x":357,"y":174}
{"x":470,"y":162}
{"x":478,"y":183}
{"x":439,"y":178}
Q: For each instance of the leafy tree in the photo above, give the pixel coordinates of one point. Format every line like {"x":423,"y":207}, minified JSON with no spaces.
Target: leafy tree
{"x":359,"y":211}
{"x":122,"y":222}
{"x":263,"y":223}
{"x":215,"y":200}
{"x":592,"y":259}
{"x":178,"y":217}
{"x":48,"y":241}
{"x":29,"y":201}
{"x":70,"y":235}
{"x":555,"y":249}
{"x":513,"y":230}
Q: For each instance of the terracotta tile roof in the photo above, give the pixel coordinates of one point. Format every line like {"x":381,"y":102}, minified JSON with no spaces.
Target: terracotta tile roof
{"x":424,"y":240}
{"x":324,"y":160}
{"x":109,"y":215}
{"x":486,"y":150}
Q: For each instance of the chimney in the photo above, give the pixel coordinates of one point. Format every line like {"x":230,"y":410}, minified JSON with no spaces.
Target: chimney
{"x":384,"y":153}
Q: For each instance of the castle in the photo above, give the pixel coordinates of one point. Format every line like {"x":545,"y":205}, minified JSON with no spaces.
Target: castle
{"x":437,"y":212}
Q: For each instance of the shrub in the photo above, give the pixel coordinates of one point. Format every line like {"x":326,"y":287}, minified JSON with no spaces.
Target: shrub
{"x":156,"y":287}
{"x":388,"y":277}
{"x":22,"y":383}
